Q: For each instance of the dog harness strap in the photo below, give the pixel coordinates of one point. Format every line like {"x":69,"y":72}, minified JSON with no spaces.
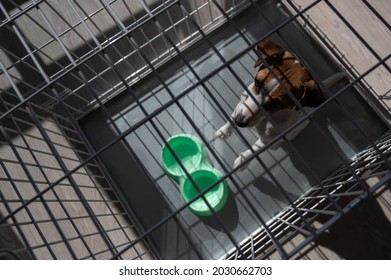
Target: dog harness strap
{"x":304,"y":93}
{"x":302,"y":96}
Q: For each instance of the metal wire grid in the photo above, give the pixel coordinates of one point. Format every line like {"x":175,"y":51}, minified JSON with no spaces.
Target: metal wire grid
{"x":82,"y":27}
{"x":77,"y":166}
{"x":68,"y":200}
{"x":379,"y":96}
{"x":342,"y":186}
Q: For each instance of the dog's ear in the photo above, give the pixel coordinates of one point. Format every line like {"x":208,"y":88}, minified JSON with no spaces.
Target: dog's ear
{"x":268,"y":50}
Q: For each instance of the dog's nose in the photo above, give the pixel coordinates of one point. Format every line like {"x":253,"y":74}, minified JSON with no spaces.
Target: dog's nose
{"x":241,"y":121}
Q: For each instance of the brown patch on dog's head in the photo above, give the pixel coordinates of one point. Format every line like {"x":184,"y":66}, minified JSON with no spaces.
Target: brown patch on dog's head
{"x":277,"y":101}
{"x":269,"y":51}
{"x":285,"y":83}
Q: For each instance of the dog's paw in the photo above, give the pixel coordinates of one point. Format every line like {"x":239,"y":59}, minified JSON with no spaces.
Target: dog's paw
{"x":239,"y":160}
{"x":223,"y":132}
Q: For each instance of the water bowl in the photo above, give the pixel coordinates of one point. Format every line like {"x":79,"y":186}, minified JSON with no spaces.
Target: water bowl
{"x":216,"y":197}
{"x":188,"y":149}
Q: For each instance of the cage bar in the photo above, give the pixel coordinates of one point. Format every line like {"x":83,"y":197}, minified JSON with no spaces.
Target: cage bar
{"x":90,"y":91}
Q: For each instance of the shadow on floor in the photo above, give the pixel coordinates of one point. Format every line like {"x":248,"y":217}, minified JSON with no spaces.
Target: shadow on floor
{"x":9,"y":242}
{"x":362,"y":234}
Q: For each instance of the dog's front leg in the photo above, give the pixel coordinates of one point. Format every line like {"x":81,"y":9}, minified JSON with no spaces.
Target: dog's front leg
{"x":224,"y":131}
{"x":246,"y":154}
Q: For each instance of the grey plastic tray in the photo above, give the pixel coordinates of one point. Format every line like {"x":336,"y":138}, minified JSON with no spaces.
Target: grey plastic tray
{"x":149,"y":196}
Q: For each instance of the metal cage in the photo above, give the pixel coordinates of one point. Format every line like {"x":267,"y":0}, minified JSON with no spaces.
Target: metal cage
{"x":91,"y":90}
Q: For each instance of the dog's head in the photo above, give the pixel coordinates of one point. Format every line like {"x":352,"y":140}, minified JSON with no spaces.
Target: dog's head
{"x":266,"y":91}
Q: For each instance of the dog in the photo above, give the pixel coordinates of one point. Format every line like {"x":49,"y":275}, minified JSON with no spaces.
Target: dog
{"x":281,"y":86}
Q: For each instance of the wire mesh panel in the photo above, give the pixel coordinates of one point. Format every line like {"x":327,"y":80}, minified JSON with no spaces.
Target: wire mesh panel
{"x":91,"y":91}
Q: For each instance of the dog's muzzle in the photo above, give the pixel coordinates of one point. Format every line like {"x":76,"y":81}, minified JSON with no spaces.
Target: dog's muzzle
{"x":241,"y":121}
{"x":245,"y":114}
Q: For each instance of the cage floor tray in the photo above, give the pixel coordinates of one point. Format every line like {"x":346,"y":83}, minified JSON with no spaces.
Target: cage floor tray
{"x":151,"y":197}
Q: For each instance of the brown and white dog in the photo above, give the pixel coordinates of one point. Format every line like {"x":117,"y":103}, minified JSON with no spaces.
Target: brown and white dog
{"x":272,"y":95}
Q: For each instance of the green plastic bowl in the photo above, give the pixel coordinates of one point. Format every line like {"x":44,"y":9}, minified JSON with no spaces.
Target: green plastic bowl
{"x":189,"y":150}
{"x":217,"y":196}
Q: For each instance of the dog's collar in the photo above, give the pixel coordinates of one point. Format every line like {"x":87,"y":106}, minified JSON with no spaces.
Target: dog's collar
{"x":301,"y":98}
{"x":244,"y":96}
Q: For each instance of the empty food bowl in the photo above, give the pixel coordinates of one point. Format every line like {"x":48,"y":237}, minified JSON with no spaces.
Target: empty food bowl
{"x":189,"y":151}
{"x":216,"y":197}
